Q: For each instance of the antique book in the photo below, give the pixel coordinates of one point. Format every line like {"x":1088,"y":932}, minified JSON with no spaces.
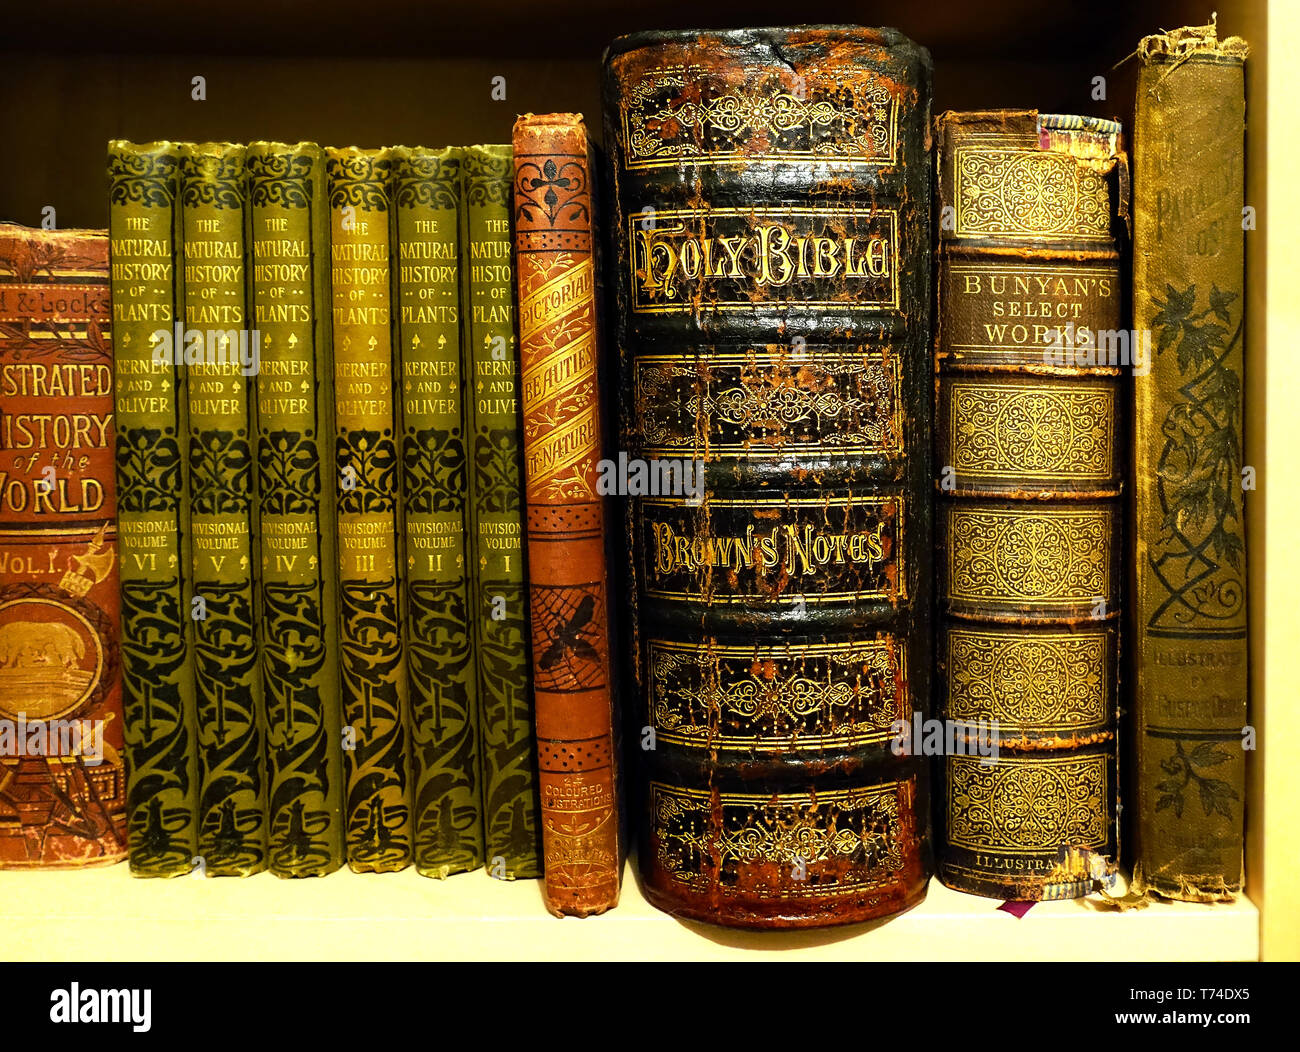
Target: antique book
{"x":289,"y":297}
{"x":62,"y":770}
{"x":497,"y":608}
{"x":445,"y":769}
{"x":1189,"y":477}
{"x":557,"y":272}
{"x":153,"y":540}
{"x":374,"y":689}
{"x":1029,"y":471}
{"x":771,"y":220}
{"x":221,"y":353}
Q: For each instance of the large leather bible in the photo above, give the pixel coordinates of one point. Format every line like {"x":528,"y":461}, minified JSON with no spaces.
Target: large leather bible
{"x":771,"y":224}
{"x":559,"y":325}
{"x":1028,"y":444}
{"x":1190,"y":623}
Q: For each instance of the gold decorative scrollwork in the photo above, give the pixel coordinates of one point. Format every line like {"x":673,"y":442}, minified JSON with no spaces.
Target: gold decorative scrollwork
{"x":1029,"y":557}
{"x":1028,"y":805}
{"x":1061,"y":432}
{"x":1029,"y":193}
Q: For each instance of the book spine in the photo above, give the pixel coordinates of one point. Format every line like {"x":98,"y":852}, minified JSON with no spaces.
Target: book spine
{"x":298,"y":627}
{"x":152,"y":510}
{"x":1029,"y":454}
{"x":64,"y":799}
{"x":771,"y":221}
{"x":559,"y":389}
{"x":440,"y":662}
{"x":376,"y":714}
{"x":221,"y":353}
{"x":511,"y":832}
{"x":1190,"y":619}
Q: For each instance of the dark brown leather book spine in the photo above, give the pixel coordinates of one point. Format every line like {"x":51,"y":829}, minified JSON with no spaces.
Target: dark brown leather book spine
{"x":1190,"y":603}
{"x":771,"y":220}
{"x":62,"y":772}
{"x":1029,"y":465}
{"x":568,"y":589}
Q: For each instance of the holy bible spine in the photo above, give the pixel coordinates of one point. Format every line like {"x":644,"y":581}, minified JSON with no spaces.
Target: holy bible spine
{"x":298,"y":627}
{"x":497,"y":610}
{"x":62,"y":772}
{"x":559,"y":319}
{"x":219,"y":359}
{"x":1190,"y":618}
{"x":1029,"y":467}
{"x":771,"y":221}
{"x":374,"y":688}
{"x":440,"y":658}
{"x":152,"y":510}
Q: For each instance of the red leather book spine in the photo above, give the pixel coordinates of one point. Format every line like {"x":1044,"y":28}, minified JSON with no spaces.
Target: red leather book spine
{"x":565,"y":522}
{"x":62,"y":779}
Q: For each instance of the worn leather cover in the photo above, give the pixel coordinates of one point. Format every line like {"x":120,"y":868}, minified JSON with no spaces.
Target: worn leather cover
{"x":499,"y":613}
{"x":375,"y":700}
{"x":223,"y":524}
{"x":770,"y":216}
{"x":445,"y":764}
{"x":1190,"y":624}
{"x":289,"y":294}
{"x":62,"y":772}
{"x":1029,"y":455}
{"x":559,"y":318}
{"x":153,"y":541}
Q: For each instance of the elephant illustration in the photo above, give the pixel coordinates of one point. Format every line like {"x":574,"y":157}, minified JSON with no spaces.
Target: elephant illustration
{"x":29,"y":643}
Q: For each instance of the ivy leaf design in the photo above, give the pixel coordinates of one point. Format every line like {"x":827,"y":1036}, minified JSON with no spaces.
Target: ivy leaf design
{"x":1215,"y":797}
{"x":1174,"y":311}
{"x":1219,"y":302}
{"x":1208,"y":754}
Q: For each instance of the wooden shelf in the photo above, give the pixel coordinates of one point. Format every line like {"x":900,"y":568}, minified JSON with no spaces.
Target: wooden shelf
{"x":108,"y":914}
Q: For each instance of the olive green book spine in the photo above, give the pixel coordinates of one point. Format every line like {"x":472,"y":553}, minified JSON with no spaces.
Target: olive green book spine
{"x":298,"y":625}
{"x":1191,"y":682}
{"x":374,"y":691}
{"x":439,"y":660}
{"x":152,"y":511}
{"x":220,"y":356}
{"x":512,"y":834}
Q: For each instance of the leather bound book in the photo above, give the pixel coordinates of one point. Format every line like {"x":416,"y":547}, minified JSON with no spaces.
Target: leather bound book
{"x":62,"y":764}
{"x":445,"y":767}
{"x":498,"y":610}
{"x":1190,"y":616}
{"x":559,"y":341}
{"x":221,"y":355}
{"x":771,"y":216}
{"x":376,"y":713}
{"x":298,"y":627}
{"x":1029,"y":466}
{"x":153,"y":542}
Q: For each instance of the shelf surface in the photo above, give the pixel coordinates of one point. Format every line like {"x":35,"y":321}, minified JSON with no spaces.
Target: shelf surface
{"x":106,"y":914}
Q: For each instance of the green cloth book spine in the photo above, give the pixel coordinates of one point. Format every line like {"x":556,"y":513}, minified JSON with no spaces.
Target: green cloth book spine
{"x":512,"y":835}
{"x":440,"y":668}
{"x":298,"y":626}
{"x":153,"y":511}
{"x":374,"y":689}
{"x":220,"y":355}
